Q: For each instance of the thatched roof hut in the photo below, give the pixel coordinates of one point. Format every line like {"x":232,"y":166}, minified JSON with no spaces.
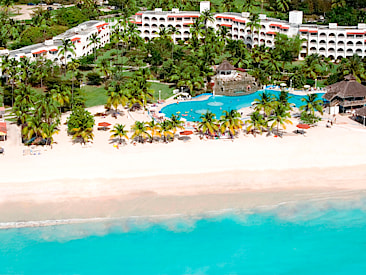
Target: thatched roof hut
{"x":225,"y":66}
{"x":348,"y":88}
{"x":347,"y":93}
{"x":361,"y":112}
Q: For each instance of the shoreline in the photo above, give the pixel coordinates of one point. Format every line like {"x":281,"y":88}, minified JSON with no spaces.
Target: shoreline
{"x":70,"y":201}
{"x":153,"y":209}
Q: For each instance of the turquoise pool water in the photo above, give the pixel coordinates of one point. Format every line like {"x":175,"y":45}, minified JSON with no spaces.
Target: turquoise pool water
{"x":192,"y":110}
{"x":289,"y":239}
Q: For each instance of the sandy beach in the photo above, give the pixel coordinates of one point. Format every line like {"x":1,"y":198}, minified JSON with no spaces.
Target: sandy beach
{"x":99,"y":180}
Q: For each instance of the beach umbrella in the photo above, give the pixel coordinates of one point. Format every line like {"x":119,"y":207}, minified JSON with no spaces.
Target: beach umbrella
{"x":104,"y":124}
{"x":186,"y":133}
{"x":303,"y":126}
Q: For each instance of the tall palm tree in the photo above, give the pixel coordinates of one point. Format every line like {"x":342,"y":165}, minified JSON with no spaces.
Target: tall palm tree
{"x":166,"y":130}
{"x":120,"y":132}
{"x":94,"y":41}
{"x":206,"y":16}
{"x":104,"y":67}
{"x":264,"y":103}
{"x":73,"y":66}
{"x":176,"y":123}
{"x":230,"y":120}
{"x":67,"y":46}
{"x":117,"y":95}
{"x":140,"y":131}
{"x":280,"y":117}
{"x":154,"y":129}
{"x":208,"y":124}
{"x":32,"y":127}
{"x":173,"y":31}
{"x":61,"y":94}
{"x":256,"y":123}
{"x":253,"y":24}
{"x":312,"y":104}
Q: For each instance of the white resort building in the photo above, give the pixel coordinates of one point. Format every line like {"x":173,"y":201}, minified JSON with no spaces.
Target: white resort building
{"x":79,"y":35}
{"x":332,"y":41}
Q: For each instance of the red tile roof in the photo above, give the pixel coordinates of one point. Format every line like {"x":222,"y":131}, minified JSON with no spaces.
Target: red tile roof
{"x":239,"y":20}
{"x":75,"y":39}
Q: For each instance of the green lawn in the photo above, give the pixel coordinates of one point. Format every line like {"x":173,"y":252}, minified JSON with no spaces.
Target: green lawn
{"x":166,"y":91}
{"x":95,"y":95}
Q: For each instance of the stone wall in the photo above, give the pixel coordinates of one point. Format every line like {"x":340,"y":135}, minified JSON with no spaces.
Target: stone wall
{"x":235,"y":87}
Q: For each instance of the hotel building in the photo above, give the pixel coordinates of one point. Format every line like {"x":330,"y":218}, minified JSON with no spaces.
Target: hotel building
{"x":332,"y":41}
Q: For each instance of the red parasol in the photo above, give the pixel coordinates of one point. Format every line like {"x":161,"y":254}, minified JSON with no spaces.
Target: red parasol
{"x":186,"y":133}
{"x":104,"y":124}
{"x":303,"y":126}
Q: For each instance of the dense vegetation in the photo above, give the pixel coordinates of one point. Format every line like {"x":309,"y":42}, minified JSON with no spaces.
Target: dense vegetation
{"x":55,"y":89}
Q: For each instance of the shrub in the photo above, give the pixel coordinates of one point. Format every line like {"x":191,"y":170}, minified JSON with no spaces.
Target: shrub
{"x":94,"y":78}
{"x":79,"y":118}
{"x":309,"y":118}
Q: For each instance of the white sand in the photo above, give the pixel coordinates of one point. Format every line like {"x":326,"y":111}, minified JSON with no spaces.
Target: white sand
{"x":327,"y":158}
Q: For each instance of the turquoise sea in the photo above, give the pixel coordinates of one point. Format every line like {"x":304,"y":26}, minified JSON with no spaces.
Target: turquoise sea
{"x":297,"y":238}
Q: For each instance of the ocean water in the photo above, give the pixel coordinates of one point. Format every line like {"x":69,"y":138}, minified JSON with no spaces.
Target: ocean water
{"x":192,"y":110}
{"x":298,"y":238}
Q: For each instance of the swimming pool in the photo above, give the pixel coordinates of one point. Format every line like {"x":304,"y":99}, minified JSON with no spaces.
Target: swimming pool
{"x":192,"y":110}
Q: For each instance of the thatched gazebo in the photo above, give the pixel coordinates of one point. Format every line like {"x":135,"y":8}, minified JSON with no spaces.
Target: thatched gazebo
{"x":361,"y":115}
{"x":345,"y":95}
{"x":225,"y":68}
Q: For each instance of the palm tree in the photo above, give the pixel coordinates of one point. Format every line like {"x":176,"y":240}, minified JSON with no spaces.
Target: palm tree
{"x":248,"y":5}
{"x":256,"y":123}
{"x":33,"y":127}
{"x":116,"y":95}
{"x":283,"y":99}
{"x":228,"y":5}
{"x":338,"y":4}
{"x":94,"y":41}
{"x":208,"y":124}
{"x":166,"y":130}
{"x":173,"y":31}
{"x":61,"y":94}
{"x":120,"y":132}
{"x":280,"y":117}
{"x":140,"y":131}
{"x":206,"y":16}
{"x":253,"y":24}
{"x":48,"y":131}
{"x":47,"y":107}
{"x":282,"y":5}
{"x":7,"y":5}
{"x":176,"y":123}
{"x":154,"y":129}
{"x":84,"y":134}
{"x":104,"y":67}
{"x":312,"y":104}
{"x":67,"y":46}
{"x":264,"y":103}
{"x":230,"y":121}
{"x":73,"y":66}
